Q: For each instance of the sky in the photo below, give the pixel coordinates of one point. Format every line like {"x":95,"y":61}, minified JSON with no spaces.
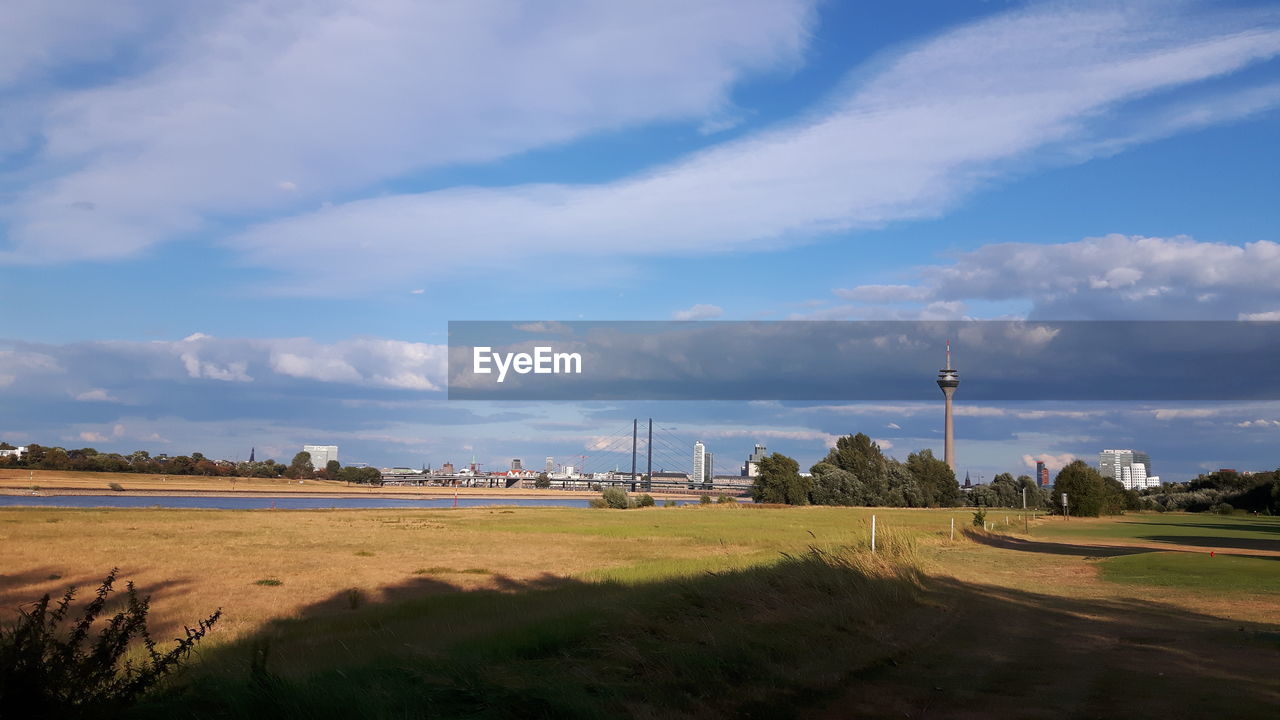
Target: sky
{"x":233,"y":225}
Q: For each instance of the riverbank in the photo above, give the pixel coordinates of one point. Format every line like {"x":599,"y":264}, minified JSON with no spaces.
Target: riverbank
{"x":54,"y":483}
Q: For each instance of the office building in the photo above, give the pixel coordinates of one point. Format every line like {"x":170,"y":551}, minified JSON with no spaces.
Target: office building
{"x":321,"y":454}
{"x":1042,"y":474}
{"x":515,"y":464}
{"x":1131,"y":468}
{"x":699,"y":462}
{"x":751,"y":468}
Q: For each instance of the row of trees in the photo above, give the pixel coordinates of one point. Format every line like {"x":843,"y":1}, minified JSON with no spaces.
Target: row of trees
{"x":39,"y":457}
{"x":1221,"y":491}
{"x":857,"y":472}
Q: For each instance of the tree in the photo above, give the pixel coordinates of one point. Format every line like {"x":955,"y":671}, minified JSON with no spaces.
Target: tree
{"x":1088,"y":493}
{"x":779,"y":481}
{"x":934,"y":477}
{"x":301,"y":467}
{"x":331,"y":469}
{"x":543,"y":482}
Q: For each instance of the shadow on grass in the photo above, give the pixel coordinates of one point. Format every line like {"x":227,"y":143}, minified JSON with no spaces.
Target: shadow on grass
{"x":1007,"y":542}
{"x":1259,"y":525}
{"x":1220,"y":542}
{"x":828,"y":634}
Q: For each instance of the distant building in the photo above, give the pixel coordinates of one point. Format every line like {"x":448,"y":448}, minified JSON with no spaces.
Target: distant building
{"x":751,"y":468}
{"x":321,"y":454}
{"x":550,"y":467}
{"x":709,"y":468}
{"x":1130,"y":468}
{"x":447,"y":469}
{"x":13,"y":451}
{"x":515,"y":464}
{"x":967,"y":482}
{"x":1042,"y":474}
{"x":699,"y":462}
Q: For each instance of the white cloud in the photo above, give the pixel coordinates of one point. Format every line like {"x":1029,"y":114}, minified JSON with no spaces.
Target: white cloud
{"x":1115,"y":276}
{"x":1046,"y":84}
{"x":1260,"y":422}
{"x":1053,"y":462}
{"x":92,"y":437}
{"x":95,"y":395}
{"x":1269,"y":316}
{"x":698,"y":312}
{"x":243,"y":108}
{"x":894,"y":426}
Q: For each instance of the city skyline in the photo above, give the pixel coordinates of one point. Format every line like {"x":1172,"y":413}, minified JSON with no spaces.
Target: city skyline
{"x":180,"y":278}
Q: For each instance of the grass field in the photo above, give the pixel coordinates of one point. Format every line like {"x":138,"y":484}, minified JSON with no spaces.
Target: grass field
{"x":685,"y":612}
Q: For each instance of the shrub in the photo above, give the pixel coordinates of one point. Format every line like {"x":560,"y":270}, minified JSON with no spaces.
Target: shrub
{"x":669,"y":503}
{"x":116,"y":486}
{"x":645,"y":500}
{"x":980,"y":518}
{"x":268,"y":582}
{"x":726,"y":500}
{"x":1222,"y":509}
{"x":543,"y":482}
{"x":704,"y":500}
{"x":597,"y":503}
{"x":615,"y":497}
{"x":48,"y":672}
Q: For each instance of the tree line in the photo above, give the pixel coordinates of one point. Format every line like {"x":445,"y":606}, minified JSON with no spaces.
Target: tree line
{"x":857,"y":472}
{"x":39,"y":457}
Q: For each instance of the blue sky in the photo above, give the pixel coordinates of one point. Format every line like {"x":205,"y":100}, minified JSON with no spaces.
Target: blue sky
{"x":247,"y":224}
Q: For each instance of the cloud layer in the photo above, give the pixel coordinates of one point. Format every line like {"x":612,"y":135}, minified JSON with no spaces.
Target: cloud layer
{"x":1103,"y":278}
{"x":248,"y":108}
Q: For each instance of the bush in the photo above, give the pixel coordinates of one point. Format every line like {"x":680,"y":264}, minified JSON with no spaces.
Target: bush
{"x":46,"y":672}
{"x":669,"y":503}
{"x":980,"y":518}
{"x":543,"y":482}
{"x":597,"y":503}
{"x":615,"y":497}
{"x":726,"y":500}
{"x":645,"y":500}
{"x":1222,"y":509}
{"x":116,"y":486}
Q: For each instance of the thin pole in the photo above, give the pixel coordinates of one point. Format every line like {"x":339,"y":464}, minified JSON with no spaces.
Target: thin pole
{"x":953,"y":529}
{"x":873,"y":533}
{"x":648,"y":485}
{"x":635,"y":431}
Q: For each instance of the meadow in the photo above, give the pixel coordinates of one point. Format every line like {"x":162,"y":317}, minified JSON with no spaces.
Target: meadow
{"x":685,"y":612}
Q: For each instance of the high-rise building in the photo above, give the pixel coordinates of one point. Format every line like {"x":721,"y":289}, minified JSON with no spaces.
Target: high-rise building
{"x":1130,"y":468}
{"x":948,"y":381}
{"x":1042,"y":474}
{"x":550,"y":467}
{"x":515,"y":464}
{"x":699,"y":462}
{"x":751,"y":468}
{"x":708,"y":468}
{"x":321,"y":454}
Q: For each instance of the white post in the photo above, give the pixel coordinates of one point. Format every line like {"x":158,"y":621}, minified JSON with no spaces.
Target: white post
{"x":953,"y":529}
{"x":873,"y":533}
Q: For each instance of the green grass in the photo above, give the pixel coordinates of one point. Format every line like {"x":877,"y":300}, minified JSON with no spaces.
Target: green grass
{"x":268,"y":582}
{"x":1222,"y":573}
{"x":1143,"y":525}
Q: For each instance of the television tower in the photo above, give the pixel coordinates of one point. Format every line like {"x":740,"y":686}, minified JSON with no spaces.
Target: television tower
{"x":948,"y":381}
